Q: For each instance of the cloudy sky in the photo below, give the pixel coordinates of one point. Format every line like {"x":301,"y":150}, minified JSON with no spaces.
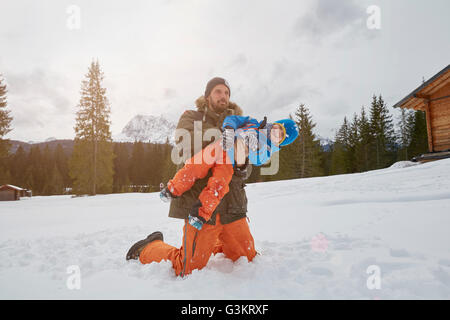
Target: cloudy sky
{"x":157,"y":56}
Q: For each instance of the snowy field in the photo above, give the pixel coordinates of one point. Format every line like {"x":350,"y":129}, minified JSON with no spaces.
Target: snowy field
{"x":383,"y":234}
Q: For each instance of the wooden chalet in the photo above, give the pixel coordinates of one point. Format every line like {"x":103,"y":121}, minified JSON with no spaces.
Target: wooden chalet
{"x":433,"y":97}
{"x":10,"y":192}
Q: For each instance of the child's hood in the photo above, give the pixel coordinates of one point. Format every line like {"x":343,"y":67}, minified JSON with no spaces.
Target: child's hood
{"x":291,"y":129}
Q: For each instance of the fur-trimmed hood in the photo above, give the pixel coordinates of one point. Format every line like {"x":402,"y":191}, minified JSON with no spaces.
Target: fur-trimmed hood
{"x":233,"y":108}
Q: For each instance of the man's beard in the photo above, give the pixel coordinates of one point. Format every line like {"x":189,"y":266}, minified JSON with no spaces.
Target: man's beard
{"x":218,"y":107}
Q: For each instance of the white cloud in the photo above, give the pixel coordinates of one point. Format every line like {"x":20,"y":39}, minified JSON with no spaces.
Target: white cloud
{"x":158,"y":55}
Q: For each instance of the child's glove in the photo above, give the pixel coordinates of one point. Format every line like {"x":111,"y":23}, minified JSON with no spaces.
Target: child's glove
{"x":243,"y":171}
{"x":263,"y":123}
{"x":250,"y":138}
{"x":194,"y":219}
{"x":228,"y":138}
{"x":165,"y":195}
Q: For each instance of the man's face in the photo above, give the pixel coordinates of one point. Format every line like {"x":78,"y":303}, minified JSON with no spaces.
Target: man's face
{"x":219,"y":98}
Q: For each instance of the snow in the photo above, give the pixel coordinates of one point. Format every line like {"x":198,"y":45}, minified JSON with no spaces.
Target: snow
{"x":404,"y":164}
{"x":317,"y":238}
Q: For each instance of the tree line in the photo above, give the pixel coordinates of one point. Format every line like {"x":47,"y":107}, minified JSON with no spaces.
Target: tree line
{"x":369,"y":140}
{"x":47,"y":172}
{"x":372,"y":141}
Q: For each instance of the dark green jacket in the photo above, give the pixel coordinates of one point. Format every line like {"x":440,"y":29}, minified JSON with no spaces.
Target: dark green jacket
{"x":234,"y":204}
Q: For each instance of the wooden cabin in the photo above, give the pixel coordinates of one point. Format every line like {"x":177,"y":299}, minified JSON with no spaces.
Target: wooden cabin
{"x":8,"y":192}
{"x":433,"y":97}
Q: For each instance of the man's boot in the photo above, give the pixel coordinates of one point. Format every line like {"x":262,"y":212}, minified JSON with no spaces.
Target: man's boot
{"x":137,"y":248}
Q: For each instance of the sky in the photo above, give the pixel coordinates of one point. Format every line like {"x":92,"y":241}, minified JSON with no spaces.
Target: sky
{"x":157,"y":56}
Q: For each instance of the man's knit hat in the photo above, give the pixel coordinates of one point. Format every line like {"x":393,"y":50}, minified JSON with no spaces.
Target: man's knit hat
{"x":214,"y":82}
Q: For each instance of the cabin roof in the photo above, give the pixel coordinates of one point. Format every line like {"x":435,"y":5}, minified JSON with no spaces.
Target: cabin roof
{"x":10,"y":186}
{"x":414,"y":100}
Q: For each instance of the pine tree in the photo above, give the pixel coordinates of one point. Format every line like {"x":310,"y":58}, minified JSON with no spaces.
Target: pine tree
{"x":28,"y":179}
{"x":137,"y":166}
{"x":382,"y":128}
{"x":91,"y":164}
{"x":154,"y":158}
{"x":419,"y":135}
{"x":36,"y":175}
{"x":47,"y":165}
{"x":289,"y":160}
{"x":56,"y":182}
{"x":5,"y":127}
{"x":5,"y":175}
{"x":340,"y":163}
{"x":365,"y":139}
{"x":169,"y":168}
{"x":326,"y":156}
{"x":121,"y":163}
{"x":309,"y":161}
{"x":18,"y":167}
{"x":5,"y":119}
{"x":405,"y":125}
{"x":353,"y":143}
{"x":62,"y":164}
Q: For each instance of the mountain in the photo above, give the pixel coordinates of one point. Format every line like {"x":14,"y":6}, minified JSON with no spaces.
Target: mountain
{"x":325,"y":143}
{"x":153,"y":129}
{"x":66,"y":144}
{"x":147,"y":128}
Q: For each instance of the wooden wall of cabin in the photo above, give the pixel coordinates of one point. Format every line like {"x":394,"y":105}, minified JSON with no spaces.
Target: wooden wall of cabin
{"x":440,"y":119}
{"x":7,"y":194}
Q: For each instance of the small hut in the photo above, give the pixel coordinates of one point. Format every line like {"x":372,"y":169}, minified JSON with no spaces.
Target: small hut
{"x":433,"y":97}
{"x":10,"y":192}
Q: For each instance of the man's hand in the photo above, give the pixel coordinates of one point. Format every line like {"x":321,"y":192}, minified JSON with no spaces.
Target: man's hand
{"x":194,"y":219}
{"x":253,"y":141}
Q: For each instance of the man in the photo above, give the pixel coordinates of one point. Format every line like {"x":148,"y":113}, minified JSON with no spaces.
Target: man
{"x":227,"y":231}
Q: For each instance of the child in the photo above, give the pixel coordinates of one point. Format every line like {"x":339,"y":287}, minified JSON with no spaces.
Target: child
{"x":259,"y":140}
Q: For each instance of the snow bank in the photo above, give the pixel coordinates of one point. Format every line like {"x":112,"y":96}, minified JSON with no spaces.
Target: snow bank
{"x":403,"y":164}
{"x":375,"y":235}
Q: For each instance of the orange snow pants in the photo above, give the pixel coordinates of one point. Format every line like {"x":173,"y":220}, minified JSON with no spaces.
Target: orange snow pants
{"x":233,"y":239}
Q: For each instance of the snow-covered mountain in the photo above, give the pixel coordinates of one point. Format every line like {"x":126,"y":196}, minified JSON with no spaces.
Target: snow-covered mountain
{"x":325,"y":143}
{"x":147,"y":128}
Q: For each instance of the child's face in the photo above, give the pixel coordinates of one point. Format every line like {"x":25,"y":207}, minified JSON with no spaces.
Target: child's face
{"x":276,"y":134}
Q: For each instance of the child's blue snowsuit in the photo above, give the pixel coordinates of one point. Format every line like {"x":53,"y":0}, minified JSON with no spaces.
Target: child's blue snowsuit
{"x":265,"y":148}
